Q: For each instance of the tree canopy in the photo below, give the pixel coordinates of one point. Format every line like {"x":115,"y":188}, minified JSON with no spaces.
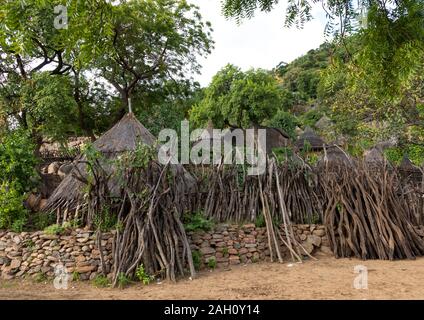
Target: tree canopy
{"x":236,"y":98}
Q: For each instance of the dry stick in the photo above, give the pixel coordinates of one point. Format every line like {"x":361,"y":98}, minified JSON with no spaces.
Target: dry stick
{"x":266,"y":220}
{"x":283,"y":211}
{"x":271,"y":223}
{"x":291,"y":249}
{"x":187,"y":246}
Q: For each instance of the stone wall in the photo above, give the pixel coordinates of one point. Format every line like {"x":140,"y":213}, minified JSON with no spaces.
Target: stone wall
{"x":33,"y":254}
{"x":234,"y":244}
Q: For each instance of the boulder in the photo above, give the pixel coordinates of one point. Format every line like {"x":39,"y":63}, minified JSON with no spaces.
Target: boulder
{"x":32,"y":202}
{"x":319,"y":232}
{"x":314,"y":240}
{"x":65,"y":169}
{"x":53,"y":168}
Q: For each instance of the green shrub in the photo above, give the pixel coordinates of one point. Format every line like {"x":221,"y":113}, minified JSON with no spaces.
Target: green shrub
{"x":13,"y":214}
{"x":309,"y":118}
{"x":285,"y":121}
{"x":260,"y":221}
{"x":40,"y":277}
{"x":54,"y":229}
{"x":123,"y":280}
{"x":212,"y":263}
{"x":17,"y":161}
{"x":76,"y":276}
{"x":196,"y":222}
{"x":100,"y":281}
{"x":105,"y":221}
{"x":197,"y":259}
{"x":225,"y":251}
{"x":42,"y":220}
{"x":143,"y":276}
{"x":17,"y":177}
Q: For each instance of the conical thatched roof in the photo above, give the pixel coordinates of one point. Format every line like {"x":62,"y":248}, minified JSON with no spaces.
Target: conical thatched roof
{"x":408,"y":169}
{"x":334,"y":155}
{"x":122,"y":137}
{"x":374,"y":157}
{"x":309,"y":136}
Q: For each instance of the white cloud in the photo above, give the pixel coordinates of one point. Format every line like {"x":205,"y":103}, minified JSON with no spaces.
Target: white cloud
{"x":261,"y":42}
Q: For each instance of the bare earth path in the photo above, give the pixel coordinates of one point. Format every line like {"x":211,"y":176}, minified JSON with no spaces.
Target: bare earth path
{"x":326,"y":278}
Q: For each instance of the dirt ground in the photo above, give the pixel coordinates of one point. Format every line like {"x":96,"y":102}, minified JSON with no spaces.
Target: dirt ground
{"x":326,"y":278}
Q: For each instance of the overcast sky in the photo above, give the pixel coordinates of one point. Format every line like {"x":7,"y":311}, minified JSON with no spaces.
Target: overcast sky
{"x":262,"y":42}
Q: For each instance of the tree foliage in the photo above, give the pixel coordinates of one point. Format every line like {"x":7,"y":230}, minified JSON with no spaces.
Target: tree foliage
{"x":236,"y":98}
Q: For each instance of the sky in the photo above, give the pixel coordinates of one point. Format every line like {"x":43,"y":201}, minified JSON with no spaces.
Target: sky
{"x":261,"y":42}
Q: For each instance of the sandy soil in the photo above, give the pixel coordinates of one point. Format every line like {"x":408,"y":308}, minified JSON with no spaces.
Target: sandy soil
{"x":326,"y":278}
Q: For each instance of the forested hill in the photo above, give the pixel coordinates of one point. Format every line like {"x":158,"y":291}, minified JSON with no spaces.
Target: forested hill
{"x":319,"y":92}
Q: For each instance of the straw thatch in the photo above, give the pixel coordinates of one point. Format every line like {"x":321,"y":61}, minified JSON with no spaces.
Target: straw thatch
{"x":374,"y":157}
{"x":275,"y":137}
{"x":310,"y":137}
{"x":408,"y":170}
{"x":124,"y":136}
{"x":334,"y":155}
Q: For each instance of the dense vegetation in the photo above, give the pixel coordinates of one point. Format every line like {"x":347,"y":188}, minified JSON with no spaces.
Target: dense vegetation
{"x":367,"y":82}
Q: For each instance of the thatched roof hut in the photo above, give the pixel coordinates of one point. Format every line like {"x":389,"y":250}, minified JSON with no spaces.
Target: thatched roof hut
{"x":122,"y":137}
{"x":408,"y":170}
{"x":310,"y":137}
{"x":275,"y":137}
{"x":334,"y":155}
{"x":374,"y":157}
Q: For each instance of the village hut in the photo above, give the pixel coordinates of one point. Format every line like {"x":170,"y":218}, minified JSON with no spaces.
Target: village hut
{"x":275,"y":137}
{"x":122,"y":137}
{"x":334,"y":155}
{"x":309,"y":137}
{"x":409,"y":171}
{"x":374,"y":157}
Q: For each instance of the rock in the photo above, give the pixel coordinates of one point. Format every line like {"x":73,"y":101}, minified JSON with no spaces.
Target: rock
{"x":319,"y":232}
{"x":65,"y":169}
{"x":207,"y":250}
{"x":243,"y":251}
{"x":32,"y":202}
{"x":48,"y":237}
{"x":234,"y":260}
{"x":53,"y":168}
{"x":314,"y":240}
{"x":4,"y":261}
{"x":17,"y":239}
{"x":326,"y":250}
{"x":6,"y":276}
{"x":15,"y":264}
{"x":83,"y":269}
{"x":323,"y":123}
{"x":309,"y":247}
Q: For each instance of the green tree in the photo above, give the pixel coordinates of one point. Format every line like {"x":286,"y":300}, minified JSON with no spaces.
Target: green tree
{"x":235,"y":98}
{"x":391,"y":32}
{"x":152,"y":41}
